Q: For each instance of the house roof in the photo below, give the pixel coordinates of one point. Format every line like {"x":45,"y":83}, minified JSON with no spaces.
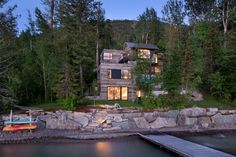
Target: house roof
{"x":141,"y":45}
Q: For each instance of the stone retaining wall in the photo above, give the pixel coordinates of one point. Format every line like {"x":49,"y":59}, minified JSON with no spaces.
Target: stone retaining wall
{"x":118,"y":120}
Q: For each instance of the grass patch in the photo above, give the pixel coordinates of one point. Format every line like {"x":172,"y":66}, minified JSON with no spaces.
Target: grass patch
{"x":122,"y":103}
{"x":210,"y":101}
{"x":56,"y":106}
{"x":49,"y":106}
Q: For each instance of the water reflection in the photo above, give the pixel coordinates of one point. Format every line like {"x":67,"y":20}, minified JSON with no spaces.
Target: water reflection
{"x":223,"y":142}
{"x":125,"y":147}
{"x":103,"y":149}
{"x":17,"y":151}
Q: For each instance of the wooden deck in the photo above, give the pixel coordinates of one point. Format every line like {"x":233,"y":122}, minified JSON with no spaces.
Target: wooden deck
{"x":183,"y":147}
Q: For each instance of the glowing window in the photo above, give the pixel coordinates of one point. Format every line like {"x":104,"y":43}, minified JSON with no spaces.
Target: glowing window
{"x":124,"y":93}
{"x":157,"y":69}
{"x":113,"y":93}
{"x":117,"y":93}
{"x":144,"y":53}
{"x":126,"y":74}
{"x":107,"y":56}
{"x":139,"y":94}
{"x":154,"y":58}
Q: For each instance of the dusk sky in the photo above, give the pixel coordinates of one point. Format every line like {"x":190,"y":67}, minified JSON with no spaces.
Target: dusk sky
{"x":114,"y":9}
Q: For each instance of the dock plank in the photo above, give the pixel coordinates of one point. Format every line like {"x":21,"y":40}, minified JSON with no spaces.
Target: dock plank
{"x":183,"y":147}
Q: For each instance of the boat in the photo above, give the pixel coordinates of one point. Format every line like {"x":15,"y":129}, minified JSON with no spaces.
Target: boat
{"x":19,"y":124}
{"x":19,"y":127}
{"x":20,"y":121}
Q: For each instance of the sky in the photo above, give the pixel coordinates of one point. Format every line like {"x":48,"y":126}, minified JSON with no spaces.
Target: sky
{"x":114,"y":9}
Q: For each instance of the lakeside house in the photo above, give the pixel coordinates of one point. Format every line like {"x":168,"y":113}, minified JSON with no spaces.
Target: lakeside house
{"x":116,"y":76}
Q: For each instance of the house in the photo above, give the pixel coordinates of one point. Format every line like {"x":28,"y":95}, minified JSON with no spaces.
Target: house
{"x":116,"y":77}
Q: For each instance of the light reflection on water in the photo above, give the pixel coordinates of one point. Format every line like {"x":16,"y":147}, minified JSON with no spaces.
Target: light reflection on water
{"x":104,"y":149}
{"x":125,"y":147}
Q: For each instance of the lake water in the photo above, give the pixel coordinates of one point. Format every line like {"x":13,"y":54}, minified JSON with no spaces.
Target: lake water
{"x":124,"y":147}
{"x":224,"y":142}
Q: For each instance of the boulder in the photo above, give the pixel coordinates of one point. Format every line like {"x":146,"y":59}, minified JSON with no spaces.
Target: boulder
{"x":132,"y":124}
{"x":72,"y":125}
{"x":54,"y":123}
{"x":190,"y":121}
{"x":124,"y":125}
{"x":224,"y":112}
{"x":197,"y":96}
{"x":141,"y":123}
{"x":108,"y":121}
{"x":163,"y":122}
{"x":182,"y":120}
{"x":88,"y":115}
{"x":93,"y":125}
{"x":204,"y":122}
{"x":81,"y":119}
{"x":220,"y":119}
{"x":116,"y":128}
{"x":131,"y":115}
{"x":193,"y":112}
{"x":51,"y":123}
{"x":65,"y":120}
{"x":100,"y":117}
{"x":211,"y":111}
{"x":150,"y":117}
{"x":168,"y":114}
{"x":117,"y":118}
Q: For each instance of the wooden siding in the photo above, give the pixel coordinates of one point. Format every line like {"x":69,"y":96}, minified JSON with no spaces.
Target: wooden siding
{"x":105,"y":82}
{"x":108,"y":64}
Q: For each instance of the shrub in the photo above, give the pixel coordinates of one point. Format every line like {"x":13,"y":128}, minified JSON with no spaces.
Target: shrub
{"x":174,"y":101}
{"x":68,"y":103}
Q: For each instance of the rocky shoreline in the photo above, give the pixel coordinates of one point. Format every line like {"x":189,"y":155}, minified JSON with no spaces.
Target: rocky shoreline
{"x":112,"y":123}
{"x":49,"y":135}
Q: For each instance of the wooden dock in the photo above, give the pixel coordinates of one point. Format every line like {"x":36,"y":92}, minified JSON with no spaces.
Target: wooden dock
{"x":183,"y":147}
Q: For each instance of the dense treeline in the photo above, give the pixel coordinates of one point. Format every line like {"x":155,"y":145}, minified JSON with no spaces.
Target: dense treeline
{"x":56,"y":57}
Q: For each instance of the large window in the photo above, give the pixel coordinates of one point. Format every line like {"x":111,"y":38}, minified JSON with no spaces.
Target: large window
{"x":118,"y":74}
{"x":144,"y":53}
{"x":107,"y":56}
{"x":124,"y":93}
{"x":117,"y":93}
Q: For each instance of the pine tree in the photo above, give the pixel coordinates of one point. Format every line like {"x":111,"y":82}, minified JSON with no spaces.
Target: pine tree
{"x":175,"y":72}
{"x":79,"y":31}
{"x":7,"y":55}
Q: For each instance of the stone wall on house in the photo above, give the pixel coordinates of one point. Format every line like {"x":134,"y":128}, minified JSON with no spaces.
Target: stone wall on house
{"x":131,"y":119}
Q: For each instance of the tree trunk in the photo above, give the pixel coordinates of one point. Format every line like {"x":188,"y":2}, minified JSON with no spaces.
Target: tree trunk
{"x":81,"y":80}
{"x":146,"y":38}
{"x":44,"y":82}
{"x":225,"y":17}
{"x":52,"y":5}
{"x":97,"y":33}
{"x":51,"y":96}
{"x":97,"y":49}
{"x":27,"y":94}
{"x":44,"y":77}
